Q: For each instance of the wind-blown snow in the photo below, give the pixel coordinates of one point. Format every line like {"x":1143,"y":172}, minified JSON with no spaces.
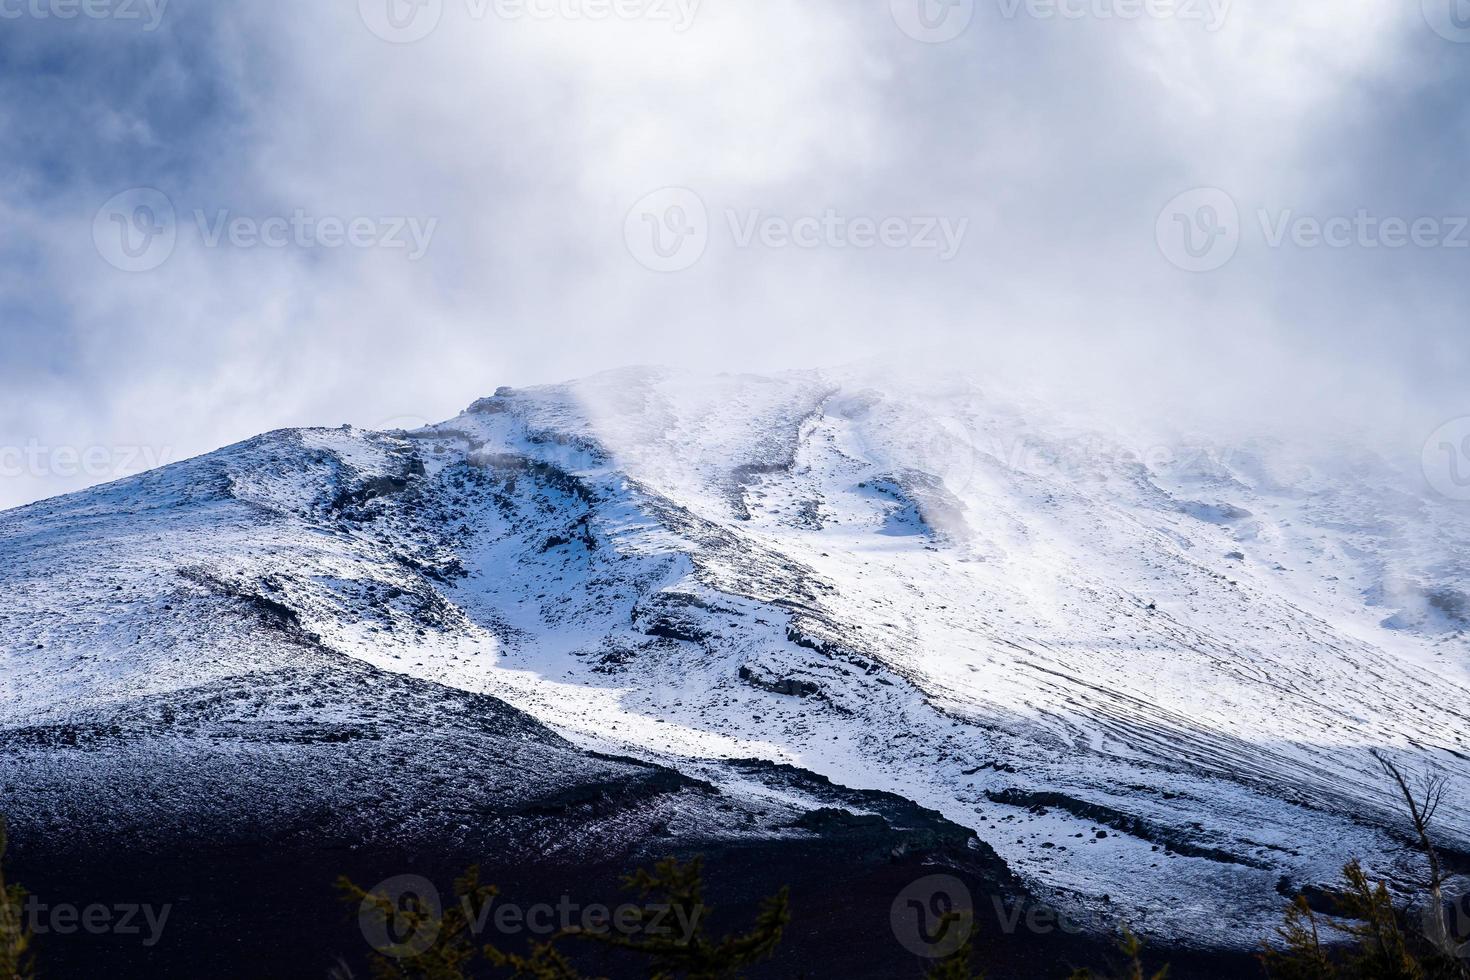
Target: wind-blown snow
{"x":1040,"y":631}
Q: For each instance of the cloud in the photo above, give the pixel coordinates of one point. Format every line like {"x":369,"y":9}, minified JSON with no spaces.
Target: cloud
{"x":527,"y":139}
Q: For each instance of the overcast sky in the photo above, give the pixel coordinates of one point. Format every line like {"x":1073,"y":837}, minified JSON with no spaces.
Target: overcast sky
{"x":227,"y":216}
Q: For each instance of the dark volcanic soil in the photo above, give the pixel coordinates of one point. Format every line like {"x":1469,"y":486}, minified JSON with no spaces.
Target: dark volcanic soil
{"x":253,"y":910}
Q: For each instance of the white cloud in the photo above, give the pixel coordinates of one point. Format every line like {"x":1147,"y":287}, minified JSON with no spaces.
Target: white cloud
{"x":529,"y":140}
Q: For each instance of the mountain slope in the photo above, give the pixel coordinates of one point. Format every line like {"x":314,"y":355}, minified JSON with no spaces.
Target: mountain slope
{"x":1149,"y":677}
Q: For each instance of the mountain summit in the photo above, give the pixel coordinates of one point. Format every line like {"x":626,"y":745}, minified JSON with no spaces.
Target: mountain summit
{"x":1142,"y":675}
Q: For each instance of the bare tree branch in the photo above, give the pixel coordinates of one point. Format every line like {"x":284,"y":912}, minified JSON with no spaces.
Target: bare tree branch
{"x":1431,"y":789}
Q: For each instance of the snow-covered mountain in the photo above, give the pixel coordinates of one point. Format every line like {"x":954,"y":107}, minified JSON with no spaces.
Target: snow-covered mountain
{"x":1147,"y":672}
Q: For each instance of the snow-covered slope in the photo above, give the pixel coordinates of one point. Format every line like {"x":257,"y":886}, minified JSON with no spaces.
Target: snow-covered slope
{"x":1148,"y":673}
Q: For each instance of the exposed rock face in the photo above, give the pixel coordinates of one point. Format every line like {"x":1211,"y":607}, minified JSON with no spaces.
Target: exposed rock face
{"x":558,"y":617}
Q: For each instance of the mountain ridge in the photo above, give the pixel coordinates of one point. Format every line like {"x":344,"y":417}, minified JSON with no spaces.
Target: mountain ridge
{"x":920,"y":589}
